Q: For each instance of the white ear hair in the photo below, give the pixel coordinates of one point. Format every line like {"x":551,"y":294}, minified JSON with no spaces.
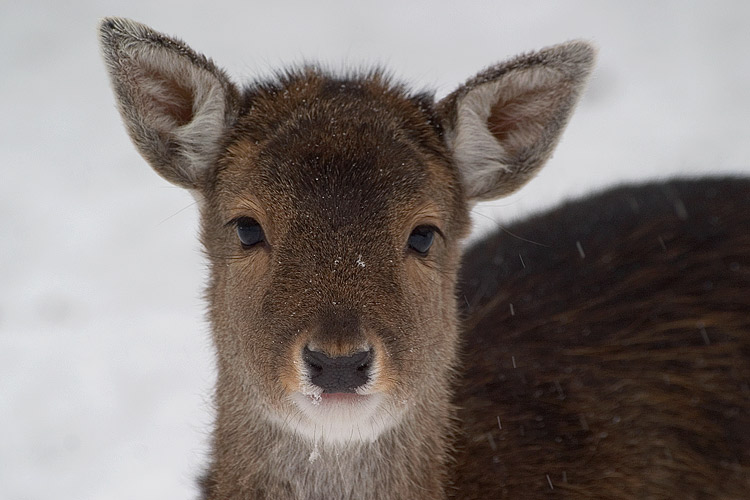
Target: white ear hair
{"x":504,"y":123}
{"x":176,"y":104}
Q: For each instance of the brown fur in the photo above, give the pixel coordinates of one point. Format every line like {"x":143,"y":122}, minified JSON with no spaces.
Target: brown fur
{"x":339,"y":171}
{"x":623,"y":374}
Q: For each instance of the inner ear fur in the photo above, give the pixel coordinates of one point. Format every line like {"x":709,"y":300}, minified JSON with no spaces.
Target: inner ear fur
{"x":176,"y":104}
{"x":503,"y":124}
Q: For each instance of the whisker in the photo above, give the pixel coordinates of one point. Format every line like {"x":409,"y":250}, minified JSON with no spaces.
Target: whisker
{"x":176,"y":213}
{"x":506,"y":230}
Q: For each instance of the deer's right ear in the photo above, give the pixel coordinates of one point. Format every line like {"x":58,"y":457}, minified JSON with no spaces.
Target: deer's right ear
{"x":176,"y":104}
{"x":503,"y":124}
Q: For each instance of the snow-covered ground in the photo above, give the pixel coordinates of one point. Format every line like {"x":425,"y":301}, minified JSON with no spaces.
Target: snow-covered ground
{"x":105,"y":359}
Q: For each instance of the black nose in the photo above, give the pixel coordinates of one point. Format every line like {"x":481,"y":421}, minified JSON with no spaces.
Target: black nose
{"x":339,"y":374}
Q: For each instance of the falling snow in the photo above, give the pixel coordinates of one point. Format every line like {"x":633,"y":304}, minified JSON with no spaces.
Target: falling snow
{"x":314,"y":454}
{"x":580,"y":250}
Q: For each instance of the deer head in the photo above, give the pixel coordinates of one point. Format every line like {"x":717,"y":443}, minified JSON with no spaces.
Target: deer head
{"x":332,"y":212}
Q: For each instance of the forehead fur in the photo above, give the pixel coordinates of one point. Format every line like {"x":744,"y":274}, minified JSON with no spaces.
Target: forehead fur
{"x":352,"y":139}
{"x":313,"y":93}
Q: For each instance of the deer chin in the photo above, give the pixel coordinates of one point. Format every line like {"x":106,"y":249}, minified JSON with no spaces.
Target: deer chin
{"x":341,"y":418}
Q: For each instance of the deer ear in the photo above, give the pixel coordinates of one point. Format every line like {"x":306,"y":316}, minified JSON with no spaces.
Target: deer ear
{"x":503,"y":124}
{"x":176,"y":104}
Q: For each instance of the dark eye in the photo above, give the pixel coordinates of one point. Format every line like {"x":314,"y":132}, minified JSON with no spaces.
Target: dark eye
{"x":249,"y":232}
{"x":420,"y":240}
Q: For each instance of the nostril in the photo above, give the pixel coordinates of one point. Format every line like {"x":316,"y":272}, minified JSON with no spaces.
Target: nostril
{"x":313,"y":362}
{"x":364,"y":363}
{"x":314,"y":369}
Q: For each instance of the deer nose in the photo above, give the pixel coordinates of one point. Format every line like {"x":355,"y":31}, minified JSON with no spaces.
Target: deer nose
{"x":338,"y":374}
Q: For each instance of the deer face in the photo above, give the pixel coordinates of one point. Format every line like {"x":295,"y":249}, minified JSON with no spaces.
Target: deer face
{"x":332,"y":211}
{"x":339,"y":305}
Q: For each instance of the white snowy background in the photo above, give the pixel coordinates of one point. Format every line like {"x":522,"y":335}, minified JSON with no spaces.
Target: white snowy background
{"x":105,"y":358}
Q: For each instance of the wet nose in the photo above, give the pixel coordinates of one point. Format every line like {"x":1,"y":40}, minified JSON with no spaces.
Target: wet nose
{"x":338,"y":374}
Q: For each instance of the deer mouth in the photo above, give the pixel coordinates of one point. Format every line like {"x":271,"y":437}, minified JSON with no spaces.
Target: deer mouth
{"x":331,"y":400}
{"x":340,"y":417}
{"x":338,"y":399}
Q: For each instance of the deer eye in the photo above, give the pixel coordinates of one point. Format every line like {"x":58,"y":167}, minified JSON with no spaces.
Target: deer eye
{"x":249,"y":232}
{"x":421,"y":238}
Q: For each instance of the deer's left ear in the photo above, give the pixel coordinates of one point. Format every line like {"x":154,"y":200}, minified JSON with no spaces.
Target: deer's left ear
{"x":503,"y":124}
{"x":176,"y":104}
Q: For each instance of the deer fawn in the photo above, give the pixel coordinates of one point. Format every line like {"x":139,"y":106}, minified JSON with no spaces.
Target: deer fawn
{"x":613,"y":365}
